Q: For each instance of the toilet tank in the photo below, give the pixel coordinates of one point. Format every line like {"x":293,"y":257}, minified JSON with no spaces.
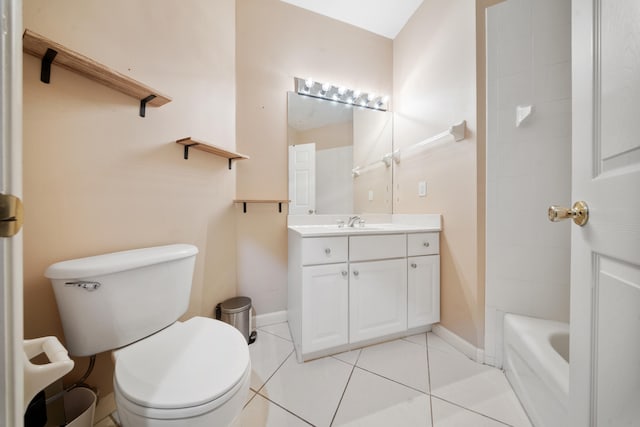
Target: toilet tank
{"x":109,"y":301}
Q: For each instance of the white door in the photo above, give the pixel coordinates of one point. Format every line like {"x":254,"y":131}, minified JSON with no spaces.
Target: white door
{"x":11,"y":335}
{"x":377,"y":298}
{"x":325,"y":307}
{"x":605,"y":259}
{"x":302,"y":179}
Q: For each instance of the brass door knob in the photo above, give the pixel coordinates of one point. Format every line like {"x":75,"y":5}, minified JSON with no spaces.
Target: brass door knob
{"x":579,"y":213}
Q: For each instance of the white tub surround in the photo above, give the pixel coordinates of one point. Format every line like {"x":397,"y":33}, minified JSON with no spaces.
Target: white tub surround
{"x":528,"y":71}
{"x":354,"y":286}
{"x":536,"y":354}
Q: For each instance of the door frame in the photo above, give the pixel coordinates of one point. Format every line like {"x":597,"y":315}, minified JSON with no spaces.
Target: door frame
{"x":11,"y":306}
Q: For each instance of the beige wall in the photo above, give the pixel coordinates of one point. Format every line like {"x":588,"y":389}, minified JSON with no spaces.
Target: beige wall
{"x":275,"y":43}
{"x":435,"y":87}
{"x":326,"y":137}
{"x":99,"y":178}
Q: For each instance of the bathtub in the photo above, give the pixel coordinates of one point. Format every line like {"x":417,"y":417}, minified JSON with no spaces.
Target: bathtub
{"x":536,"y":362}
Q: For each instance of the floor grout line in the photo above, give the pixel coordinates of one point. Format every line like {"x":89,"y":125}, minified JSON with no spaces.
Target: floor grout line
{"x":470,"y":410}
{"x":275,"y":403}
{"x":426,"y":339}
{"x":274,"y":372}
{"x":275,"y":335}
{"x":342,"y":395}
{"x":285,"y":409}
{"x":392,"y":380}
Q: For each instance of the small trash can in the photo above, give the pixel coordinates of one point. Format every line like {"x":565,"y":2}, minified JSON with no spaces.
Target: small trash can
{"x":79,"y":407}
{"x":237,"y":312}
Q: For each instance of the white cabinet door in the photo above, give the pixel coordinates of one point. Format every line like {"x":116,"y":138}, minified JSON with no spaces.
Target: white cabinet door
{"x":325,"y":307}
{"x":423,"y":290}
{"x":378,"y":298}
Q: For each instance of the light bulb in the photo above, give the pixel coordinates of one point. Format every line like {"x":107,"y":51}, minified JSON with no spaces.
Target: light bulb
{"x":326,"y":87}
{"x":356,"y":94}
{"x":308,"y":83}
{"x":342,"y":90}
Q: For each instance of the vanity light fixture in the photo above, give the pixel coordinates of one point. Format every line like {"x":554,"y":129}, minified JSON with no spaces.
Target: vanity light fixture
{"x":342,"y":94}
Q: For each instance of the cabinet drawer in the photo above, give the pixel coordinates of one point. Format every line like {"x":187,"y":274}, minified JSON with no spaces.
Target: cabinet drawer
{"x":324,"y":250}
{"x":363,"y":248}
{"x":423,"y":244}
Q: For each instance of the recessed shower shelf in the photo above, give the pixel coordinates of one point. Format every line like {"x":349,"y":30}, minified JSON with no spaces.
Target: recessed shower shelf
{"x":245,"y":201}
{"x":54,"y":53}
{"x":189,"y":142}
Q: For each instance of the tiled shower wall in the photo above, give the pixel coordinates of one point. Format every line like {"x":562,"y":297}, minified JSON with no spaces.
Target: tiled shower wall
{"x":528,"y":165}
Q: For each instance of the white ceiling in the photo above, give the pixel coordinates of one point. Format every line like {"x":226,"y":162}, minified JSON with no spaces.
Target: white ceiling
{"x":383,"y":17}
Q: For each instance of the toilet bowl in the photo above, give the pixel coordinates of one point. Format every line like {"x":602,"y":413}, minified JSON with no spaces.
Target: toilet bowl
{"x":161,"y":380}
{"x":167,"y":373}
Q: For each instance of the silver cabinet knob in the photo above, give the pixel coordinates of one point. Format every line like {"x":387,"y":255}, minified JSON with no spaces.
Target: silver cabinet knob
{"x":425,"y":244}
{"x":327,"y":251}
{"x":414,"y":265}
{"x":355,"y":273}
{"x":344,"y":273}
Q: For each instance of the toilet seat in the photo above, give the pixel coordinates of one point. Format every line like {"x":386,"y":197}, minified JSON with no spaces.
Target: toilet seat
{"x":185,"y":370}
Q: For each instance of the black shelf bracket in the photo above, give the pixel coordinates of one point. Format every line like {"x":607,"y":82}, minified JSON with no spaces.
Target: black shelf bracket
{"x":230,"y":163}
{"x":143,"y":104}
{"x":45,"y":70}
{"x":186,"y":150}
{"x":244,"y":206}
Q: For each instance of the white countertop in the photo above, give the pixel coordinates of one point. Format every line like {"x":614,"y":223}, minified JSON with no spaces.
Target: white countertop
{"x":334,"y":230}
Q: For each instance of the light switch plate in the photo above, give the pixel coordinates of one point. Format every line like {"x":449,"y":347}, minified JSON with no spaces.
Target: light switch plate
{"x":370,"y":195}
{"x":422,"y":188}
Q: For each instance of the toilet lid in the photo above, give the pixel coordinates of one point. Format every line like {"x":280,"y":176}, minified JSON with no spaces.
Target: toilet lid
{"x":187,"y":364}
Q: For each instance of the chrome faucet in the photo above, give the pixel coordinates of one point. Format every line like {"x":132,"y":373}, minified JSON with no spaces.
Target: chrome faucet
{"x":352,"y":221}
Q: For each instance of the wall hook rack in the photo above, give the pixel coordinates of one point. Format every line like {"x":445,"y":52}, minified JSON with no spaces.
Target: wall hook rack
{"x":52,"y":53}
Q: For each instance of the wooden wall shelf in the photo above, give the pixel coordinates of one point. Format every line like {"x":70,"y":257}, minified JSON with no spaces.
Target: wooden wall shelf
{"x":245,"y":201}
{"x":54,"y":53}
{"x":189,"y":142}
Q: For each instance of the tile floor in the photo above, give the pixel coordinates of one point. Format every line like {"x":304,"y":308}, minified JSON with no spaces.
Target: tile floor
{"x":418,"y":381}
{"x":415,"y":381}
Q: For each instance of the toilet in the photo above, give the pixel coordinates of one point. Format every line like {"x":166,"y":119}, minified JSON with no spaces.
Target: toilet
{"x":167,"y":372}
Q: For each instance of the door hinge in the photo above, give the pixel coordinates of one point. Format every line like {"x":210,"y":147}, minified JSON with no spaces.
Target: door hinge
{"x":11,"y":215}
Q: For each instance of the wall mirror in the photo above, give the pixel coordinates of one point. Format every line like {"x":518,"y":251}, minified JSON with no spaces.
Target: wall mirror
{"x":339,"y":157}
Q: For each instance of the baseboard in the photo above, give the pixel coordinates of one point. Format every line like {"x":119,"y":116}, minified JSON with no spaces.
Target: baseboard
{"x":271,"y":318}
{"x":468,"y":349}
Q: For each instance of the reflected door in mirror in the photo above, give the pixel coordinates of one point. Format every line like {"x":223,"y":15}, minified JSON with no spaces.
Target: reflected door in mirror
{"x":302,"y":179}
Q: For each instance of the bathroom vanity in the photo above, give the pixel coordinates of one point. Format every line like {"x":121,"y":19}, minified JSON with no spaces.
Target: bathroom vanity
{"x":354,"y":286}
